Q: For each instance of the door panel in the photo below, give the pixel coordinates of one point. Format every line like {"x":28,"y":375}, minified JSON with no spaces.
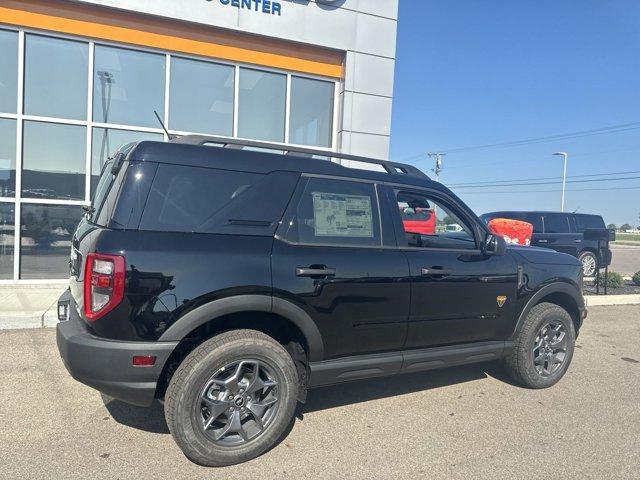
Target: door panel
{"x":454,"y":288}
{"x":362,"y":308}
{"x":462,"y":306}
{"x":558,"y":234}
{"x":329,"y":259}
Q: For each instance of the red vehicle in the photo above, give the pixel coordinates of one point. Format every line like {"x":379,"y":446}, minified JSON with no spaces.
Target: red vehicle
{"x":419,"y":220}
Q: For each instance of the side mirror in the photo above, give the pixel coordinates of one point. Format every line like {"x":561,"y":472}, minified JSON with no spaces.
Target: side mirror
{"x":494,"y":245}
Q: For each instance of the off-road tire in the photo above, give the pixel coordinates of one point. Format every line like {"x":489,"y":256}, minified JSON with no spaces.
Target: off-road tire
{"x":187,"y":382}
{"x":519,"y":362}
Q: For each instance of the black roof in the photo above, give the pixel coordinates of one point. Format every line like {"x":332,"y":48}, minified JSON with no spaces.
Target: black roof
{"x":265,"y":162}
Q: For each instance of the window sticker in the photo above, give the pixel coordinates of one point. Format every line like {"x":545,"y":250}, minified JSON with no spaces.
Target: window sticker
{"x":338,"y":215}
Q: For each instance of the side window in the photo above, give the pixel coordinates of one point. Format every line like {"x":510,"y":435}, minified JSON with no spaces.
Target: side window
{"x":430,"y":223}
{"x":183,"y":198}
{"x":584,"y":221}
{"x":534,"y":219}
{"x":556,"y":223}
{"x":336,"y":212}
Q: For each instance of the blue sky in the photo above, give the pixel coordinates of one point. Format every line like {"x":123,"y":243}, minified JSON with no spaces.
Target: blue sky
{"x":474,"y":72}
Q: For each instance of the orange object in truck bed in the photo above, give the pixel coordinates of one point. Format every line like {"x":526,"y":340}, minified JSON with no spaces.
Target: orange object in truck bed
{"x":515,"y":232}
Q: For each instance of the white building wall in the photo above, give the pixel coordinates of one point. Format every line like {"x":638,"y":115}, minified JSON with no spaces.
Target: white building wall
{"x":364,"y":29}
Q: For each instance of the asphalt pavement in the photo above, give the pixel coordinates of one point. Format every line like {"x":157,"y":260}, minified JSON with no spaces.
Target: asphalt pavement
{"x":625,"y":259}
{"x":462,"y":423}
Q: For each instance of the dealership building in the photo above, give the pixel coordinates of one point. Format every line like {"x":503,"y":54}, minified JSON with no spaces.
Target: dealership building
{"x":78,"y":78}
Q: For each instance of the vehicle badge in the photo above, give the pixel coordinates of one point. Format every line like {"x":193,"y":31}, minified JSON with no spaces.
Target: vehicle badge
{"x":501,"y":299}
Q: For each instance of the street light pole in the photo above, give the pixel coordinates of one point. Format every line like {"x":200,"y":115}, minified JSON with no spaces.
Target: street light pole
{"x":564,"y":176}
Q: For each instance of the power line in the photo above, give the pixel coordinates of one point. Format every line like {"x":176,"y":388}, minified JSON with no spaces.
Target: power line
{"x":550,"y":183}
{"x":495,"y":182}
{"x":561,"y":136}
{"x":548,"y":191}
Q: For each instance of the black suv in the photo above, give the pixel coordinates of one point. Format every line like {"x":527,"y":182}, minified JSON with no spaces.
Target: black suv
{"x":564,"y":232}
{"x":227,"y":282}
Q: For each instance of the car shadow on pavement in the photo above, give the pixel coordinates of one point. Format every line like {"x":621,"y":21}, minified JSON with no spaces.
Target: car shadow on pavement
{"x":374,"y":389}
{"x":151,"y":419}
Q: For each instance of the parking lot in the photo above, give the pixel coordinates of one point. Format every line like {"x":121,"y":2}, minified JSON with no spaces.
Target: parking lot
{"x":625,"y":259}
{"x":463,"y":423}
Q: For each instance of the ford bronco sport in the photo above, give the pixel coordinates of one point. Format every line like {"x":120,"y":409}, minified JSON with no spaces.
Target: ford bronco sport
{"x":227,"y":282}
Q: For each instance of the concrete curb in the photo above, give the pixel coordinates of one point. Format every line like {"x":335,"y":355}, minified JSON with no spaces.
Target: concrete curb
{"x":604,"y":300}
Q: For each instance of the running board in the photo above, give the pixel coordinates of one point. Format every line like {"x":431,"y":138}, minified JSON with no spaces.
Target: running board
{"x":359,"y":367}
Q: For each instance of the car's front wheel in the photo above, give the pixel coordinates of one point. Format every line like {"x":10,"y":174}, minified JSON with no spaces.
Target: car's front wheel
{"x":544,"y":347}
{"x":232,"y":398}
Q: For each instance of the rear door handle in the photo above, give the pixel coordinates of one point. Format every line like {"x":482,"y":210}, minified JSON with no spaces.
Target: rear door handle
{"x":315,"y":272}
{"x":542,"y":241}
{"x":436,"y":272}
{"x":577,"y":241}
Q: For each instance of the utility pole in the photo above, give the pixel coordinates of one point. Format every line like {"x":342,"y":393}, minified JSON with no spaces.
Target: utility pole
{"x":437,"y":156}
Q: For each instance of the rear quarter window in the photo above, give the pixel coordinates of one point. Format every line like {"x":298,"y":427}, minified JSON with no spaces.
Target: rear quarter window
{"x":584,"y":222}
{"x":556,"y":223}
{"x":209,"y":200}
{"x":182,"y":198}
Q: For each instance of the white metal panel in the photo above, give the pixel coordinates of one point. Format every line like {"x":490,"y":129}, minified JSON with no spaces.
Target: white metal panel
{"x":304,"y":23}
{"x":371,"y":114}
{"x":375,"y":146}
{"x":346,"y":99}
{"x":376,"y":36}
{"x":380,"y":8}
{"x":372,"y":75}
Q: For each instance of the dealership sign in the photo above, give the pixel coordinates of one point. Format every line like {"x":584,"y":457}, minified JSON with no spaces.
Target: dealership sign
{"x":269,"y":7}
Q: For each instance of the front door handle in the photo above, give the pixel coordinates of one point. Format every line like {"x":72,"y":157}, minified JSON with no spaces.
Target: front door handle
{"x":577,"y":241}
{"x":436,"y":272}
{"x":319,"y":272}
{"x":542,"y":241}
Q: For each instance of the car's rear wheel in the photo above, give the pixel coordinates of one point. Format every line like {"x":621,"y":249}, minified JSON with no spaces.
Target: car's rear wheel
{"x":589,"y":263}
{"x":232,"y":398}
{"x":544,"y":347}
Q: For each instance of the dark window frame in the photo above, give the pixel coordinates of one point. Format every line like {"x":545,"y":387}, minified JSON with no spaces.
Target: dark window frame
{"x":284,"y":232}
{"x":447,"y":202}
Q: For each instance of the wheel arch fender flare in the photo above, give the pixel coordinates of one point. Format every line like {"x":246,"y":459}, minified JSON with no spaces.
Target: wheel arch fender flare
{"x":553,"y":288}
{"x":249,"y":303}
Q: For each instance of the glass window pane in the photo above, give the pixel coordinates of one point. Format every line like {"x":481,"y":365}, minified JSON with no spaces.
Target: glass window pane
{"x":7,"y":157}
{"x":128,"y":86}
{"x":336,"y":212}
{"x":311,"y":112}
{"x":106,"y":141}
{"x":8,"y":71}
{"x":7,"y":222}
{"x":261,"y":105}
{"x":183,"y":198}
{"x":556,"y":223}
{"x":430,"y":223}
{"x":55,"y":77}
{"x":53,"y":161}
{"x":46,"y":239}
{"x":201,"y":98}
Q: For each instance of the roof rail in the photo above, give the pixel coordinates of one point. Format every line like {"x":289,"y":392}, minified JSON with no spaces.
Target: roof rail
{"x":390,"y":167}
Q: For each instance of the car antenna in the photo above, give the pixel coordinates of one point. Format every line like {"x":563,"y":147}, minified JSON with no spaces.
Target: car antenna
{"x":169,"y":136}
{"x":576,"y":210}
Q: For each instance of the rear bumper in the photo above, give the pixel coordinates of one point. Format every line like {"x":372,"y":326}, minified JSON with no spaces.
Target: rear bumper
{"x":106,"y":365}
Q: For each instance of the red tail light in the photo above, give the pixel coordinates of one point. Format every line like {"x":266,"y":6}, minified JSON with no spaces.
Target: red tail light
{"x":103,"y":284}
